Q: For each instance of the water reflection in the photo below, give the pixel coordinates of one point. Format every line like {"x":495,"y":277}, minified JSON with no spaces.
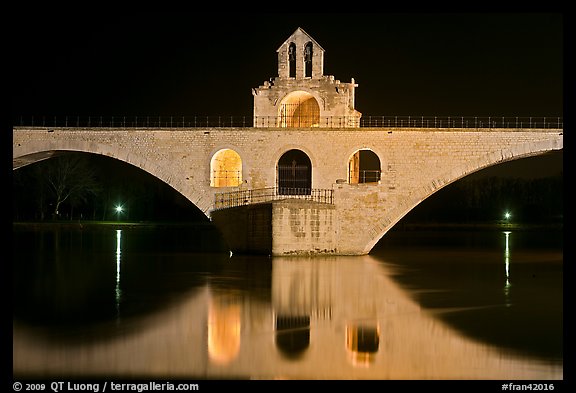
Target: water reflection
{"x":262,"y":318}
{"x":467,"y":287}
{"x":118,"y":260}
{"x":224,"y":325}
{"x":507,"y":265}
{"x":363,"y":340}
{"x":292,"y":335}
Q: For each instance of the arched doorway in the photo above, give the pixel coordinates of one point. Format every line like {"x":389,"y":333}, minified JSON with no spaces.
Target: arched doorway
{"x":364,"y":167}
{"x":225,"y":169}
{"x":294,"y":173}
{"x":299,"y":109}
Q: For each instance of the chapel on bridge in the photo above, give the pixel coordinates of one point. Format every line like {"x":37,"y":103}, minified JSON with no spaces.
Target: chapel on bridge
{"x":301,"y":95}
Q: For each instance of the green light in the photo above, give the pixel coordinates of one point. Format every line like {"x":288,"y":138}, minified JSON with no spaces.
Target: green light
{"x":119,"y":209}
{"x":507,"y":215}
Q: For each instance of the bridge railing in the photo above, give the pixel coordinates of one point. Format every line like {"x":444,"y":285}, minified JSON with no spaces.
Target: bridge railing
{"x":462,"y":122}
{"x":246,"y":197}
{"x":366,"y":121}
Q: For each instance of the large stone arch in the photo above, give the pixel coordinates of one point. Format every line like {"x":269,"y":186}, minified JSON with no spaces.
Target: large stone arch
{"x":37,"y":152}
{"x":430,"y":187}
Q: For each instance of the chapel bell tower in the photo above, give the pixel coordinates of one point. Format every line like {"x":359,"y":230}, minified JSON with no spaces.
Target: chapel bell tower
{"x":302,"y":96}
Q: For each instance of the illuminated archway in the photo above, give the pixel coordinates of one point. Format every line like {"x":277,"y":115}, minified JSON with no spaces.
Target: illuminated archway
{"x":364,"y":167}
{"x":299,"y":109}
{"x":294,"y":173}
{"x":225,"y":169}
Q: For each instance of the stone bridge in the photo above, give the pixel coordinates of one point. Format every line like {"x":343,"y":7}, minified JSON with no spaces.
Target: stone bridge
{"x":373,"y":176}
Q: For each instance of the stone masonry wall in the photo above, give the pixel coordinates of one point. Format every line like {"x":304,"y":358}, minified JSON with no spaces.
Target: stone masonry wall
{"x":415,"y":163}
{"x":301,"y":227}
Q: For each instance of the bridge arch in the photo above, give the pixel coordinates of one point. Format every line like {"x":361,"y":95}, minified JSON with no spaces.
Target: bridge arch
{"x":430,"y":187}
{"x":36,"y":153}
{"x":299,"y":109}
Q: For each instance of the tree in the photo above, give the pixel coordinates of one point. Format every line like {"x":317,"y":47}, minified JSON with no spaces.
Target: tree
{"x":70,"y":179}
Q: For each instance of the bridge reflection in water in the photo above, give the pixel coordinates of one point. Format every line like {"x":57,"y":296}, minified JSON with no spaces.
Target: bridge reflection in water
{"x":325,"y":318}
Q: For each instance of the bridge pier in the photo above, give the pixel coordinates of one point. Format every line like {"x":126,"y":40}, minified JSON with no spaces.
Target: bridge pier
{"x":346,"y":220}
{"x":282,"y":227}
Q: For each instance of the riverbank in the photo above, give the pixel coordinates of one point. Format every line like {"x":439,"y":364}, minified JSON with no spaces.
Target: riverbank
{"x":109,"y":224}
{"x":193,"y":236}
{"x":478,"y":226}
{"x":424,"y":226}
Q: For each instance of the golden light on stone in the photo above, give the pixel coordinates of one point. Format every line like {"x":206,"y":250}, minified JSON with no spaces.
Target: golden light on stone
{"x":299,"y":109}
{"x":226,"y":169}
{"x":301,"y":95}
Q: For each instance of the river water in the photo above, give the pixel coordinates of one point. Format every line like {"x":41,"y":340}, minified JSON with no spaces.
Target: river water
{"x":171,"y":302}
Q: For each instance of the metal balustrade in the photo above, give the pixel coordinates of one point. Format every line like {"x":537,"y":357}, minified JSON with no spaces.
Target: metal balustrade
{"x":366,"y":121}
{"x":246,"y":197}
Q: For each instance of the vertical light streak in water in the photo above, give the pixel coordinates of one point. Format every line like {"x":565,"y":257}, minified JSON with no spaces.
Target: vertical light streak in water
{"x":118,"y":260}
{"x":507,"y":265}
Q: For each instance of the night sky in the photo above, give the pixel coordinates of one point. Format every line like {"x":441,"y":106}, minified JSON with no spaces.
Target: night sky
{"x":187,"y":64}
{"x":462,"y":64}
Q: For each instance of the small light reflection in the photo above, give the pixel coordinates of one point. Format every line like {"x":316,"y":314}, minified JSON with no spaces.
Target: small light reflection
{"x":507,"y":265}
{"x":118,"y":260}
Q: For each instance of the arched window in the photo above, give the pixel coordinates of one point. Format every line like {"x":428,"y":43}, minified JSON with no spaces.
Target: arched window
{"x":292,"y":60}
{"x":364,"y":167}
{"x":226,"y":169}
{"x":299,"y":109}
{"x":294,"y":173}
{"x":308,"y":60}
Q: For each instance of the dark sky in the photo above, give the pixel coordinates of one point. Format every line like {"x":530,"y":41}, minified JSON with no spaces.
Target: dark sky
{"x":186,"y":64}
{"x":462,"y":64}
